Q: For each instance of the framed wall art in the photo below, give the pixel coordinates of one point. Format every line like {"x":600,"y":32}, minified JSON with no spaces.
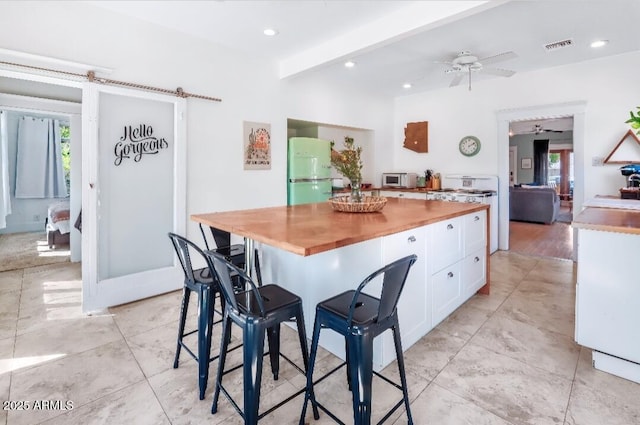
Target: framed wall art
{"x":525,"y":163}
{"x":257,"y":146}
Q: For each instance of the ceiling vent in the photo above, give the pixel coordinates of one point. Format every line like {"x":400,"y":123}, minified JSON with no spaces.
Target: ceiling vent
{"x":558,"y":45}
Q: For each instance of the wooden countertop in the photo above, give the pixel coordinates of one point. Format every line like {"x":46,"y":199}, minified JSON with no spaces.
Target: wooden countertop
{"x":313,"y":228}
{"x":609,"y":220}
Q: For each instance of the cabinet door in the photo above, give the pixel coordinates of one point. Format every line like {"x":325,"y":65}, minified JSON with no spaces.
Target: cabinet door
{"x":474,"y":273}
{"x":445,"y":238}
{"x":413,"y":195}
{"x":447,"y":292}
{"x":389,"y":193}
{"x":414,"y":314}
{"x":475,"y":231}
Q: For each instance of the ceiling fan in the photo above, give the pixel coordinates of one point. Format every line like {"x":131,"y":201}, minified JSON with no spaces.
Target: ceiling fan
{"x":465,"y":63}
{"x":535,"y":129}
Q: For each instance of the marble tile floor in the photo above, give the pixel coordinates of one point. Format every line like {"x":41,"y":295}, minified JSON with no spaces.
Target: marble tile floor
{"x":507,"y":358}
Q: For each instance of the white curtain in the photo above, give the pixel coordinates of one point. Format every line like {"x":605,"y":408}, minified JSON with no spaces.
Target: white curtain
{"x":5,"y":191}
{"x":39,"y":172}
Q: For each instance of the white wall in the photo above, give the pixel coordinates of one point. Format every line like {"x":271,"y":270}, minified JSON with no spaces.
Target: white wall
{"x":606,"y":85}
{"x":143,"y":53}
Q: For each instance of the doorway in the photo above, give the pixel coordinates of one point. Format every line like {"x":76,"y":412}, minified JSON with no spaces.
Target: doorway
{"x":35,"y":239}
{"x":505,"y":117}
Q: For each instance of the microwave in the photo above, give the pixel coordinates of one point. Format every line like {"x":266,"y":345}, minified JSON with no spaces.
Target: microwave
{"x":407,"y":180}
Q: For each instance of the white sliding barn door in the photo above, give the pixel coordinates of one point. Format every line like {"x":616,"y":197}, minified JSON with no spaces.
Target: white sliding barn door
{"x":134,"y":193}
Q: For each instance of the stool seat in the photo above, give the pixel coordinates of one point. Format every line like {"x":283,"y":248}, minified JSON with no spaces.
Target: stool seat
{"x":366,"y":311}
{"x":273,"y":297}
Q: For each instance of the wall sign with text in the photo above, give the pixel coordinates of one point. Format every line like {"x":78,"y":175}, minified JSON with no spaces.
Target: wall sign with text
{"x":136,"y":142}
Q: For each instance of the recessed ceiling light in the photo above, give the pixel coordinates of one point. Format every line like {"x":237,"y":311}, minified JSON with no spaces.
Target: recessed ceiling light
{"x":599,"y":43}
{"x":270,"y":32}
{"x":406,"y":86}
{"x":349,"y":64}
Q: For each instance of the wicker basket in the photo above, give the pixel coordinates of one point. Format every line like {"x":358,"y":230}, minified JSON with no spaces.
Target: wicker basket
{"x":369,"y":204}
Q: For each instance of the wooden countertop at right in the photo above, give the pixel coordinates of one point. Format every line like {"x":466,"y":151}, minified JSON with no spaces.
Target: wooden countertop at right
{"x":608,"y":220}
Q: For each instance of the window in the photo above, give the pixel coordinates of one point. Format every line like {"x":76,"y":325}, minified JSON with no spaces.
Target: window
{"x":561,"y":171}
{"x":65,"y":143}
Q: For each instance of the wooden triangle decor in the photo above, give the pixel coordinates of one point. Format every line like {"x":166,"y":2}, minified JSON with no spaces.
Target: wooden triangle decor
{"x":416,"y":136}
{"x":628,"y":135}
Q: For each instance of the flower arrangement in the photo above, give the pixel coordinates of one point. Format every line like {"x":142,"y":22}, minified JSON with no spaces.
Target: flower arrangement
{"x":347,"y":161}
{"x":635,"y":121}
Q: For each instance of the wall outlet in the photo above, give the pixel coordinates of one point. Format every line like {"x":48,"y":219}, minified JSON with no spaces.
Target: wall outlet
{"x":597,"y":161}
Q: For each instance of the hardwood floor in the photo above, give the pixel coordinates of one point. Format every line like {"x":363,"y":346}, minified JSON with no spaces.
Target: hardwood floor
{"x":544,"y":240}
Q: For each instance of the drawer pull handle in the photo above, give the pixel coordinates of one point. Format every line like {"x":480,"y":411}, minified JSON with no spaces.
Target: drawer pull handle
{"x":476,"y":259}
{"x":411,"y":239}
{"x":449,"y":226}
{"x":450,"y":274}
{"x":476,"y":218}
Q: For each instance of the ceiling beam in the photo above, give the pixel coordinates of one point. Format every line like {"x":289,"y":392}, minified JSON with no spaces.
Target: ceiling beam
{"x":417,"y":17}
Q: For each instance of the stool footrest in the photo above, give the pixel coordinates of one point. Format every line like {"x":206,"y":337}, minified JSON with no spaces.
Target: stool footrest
{"x":272,"y":408}
{"x":334,"y":417}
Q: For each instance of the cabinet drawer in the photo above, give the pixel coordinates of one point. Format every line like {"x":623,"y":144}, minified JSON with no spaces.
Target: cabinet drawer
{"x":474,"y":272}
{"x":445,"y":243}
{"x":475,"y":231}
{"x":447,"y":292}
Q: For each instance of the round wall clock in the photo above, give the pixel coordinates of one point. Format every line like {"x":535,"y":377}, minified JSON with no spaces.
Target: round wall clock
{"x":469,"y":145}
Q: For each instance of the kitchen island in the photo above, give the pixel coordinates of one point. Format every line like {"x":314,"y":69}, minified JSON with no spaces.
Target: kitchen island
{"x":607,"y":290}
{"x":317,"y":253}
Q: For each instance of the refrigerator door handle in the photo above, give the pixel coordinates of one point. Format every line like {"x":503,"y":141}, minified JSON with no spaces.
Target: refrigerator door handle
{"x":308,"y":180}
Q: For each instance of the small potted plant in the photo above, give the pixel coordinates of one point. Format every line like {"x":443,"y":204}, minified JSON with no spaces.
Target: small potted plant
{"x":635,"y":120}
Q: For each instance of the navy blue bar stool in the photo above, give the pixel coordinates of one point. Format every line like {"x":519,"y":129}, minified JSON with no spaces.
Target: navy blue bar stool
{"x":257,"y":311}
{"x":202,"y":282}
{"x":360,"y":317}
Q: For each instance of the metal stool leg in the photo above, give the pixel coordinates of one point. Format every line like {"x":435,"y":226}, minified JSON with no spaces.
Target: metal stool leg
{"x":361,"y":358}
{"x":186,"y":292}
{"x":252,"y":371}
{"x":302,"y":337}
{"x":273,"y":338}
{"x":205,"y":320}
{"x":309,"y":393}
{"x":403,"y":378}
{"x":224,"y":344}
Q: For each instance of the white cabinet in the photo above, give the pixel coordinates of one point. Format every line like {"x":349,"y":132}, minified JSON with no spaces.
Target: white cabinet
{"x":607,"y":294}
{"x":406,"y":195}
{"x":447,"y":291}
{"x":446,"y":242}
{"x":457,"y":262}
{"x":475,"y":231}
{"x":474,"y":272}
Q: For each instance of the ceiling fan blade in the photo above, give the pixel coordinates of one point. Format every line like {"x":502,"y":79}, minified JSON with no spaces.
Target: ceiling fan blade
{"x":498,"y":58}
{"x":498,"y":71}
{"x":548,"y":130}
{"x":456,"y":80}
